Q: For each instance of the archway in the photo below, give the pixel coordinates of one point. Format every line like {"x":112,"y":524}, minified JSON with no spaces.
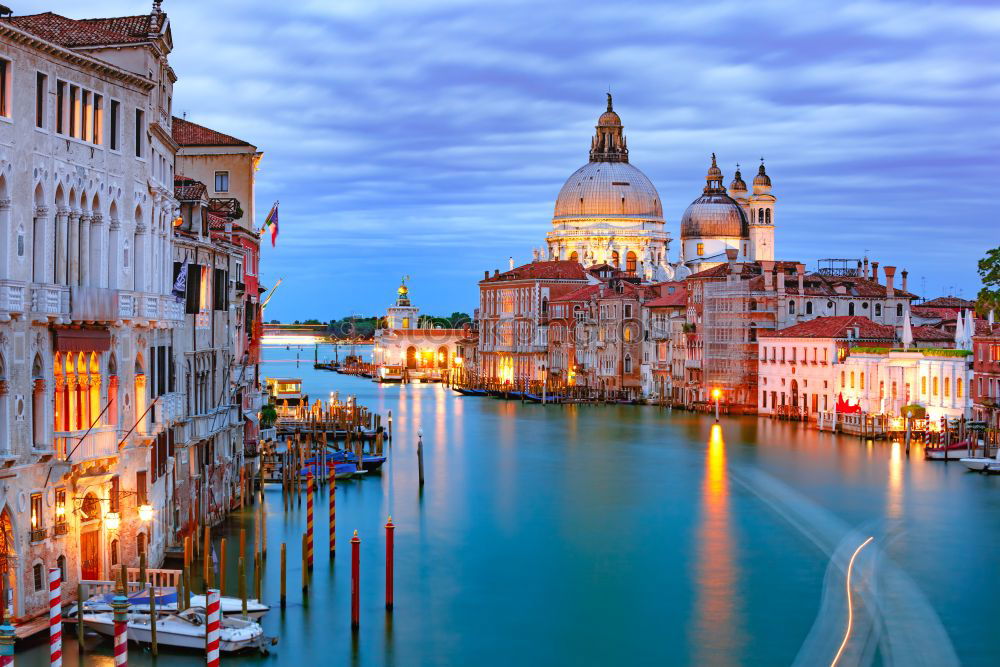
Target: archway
{"x":90,"y":555}
{"x":442,"y":356}
{"x":630,"y":260}
{"x":411,"y":357}
{"x":574,"y":257}
{"x":614,"y":258}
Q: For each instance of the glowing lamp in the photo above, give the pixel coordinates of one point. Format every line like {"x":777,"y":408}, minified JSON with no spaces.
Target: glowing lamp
{"x":458,"y":361}
{"x":112,"y":520}
{"x":60,"y":511}
{"x":716,"y":393}
{"x":146,"y":512}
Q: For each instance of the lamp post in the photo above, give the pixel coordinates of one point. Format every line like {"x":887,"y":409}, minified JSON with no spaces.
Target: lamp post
{"x":716,"y":394}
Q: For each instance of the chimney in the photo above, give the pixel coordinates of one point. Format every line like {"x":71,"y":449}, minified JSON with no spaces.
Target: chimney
{"x":800,"y":269}
{"x":486,"y":274}
{"x":781,"y":283}
{"x":767,"y":268}
{"x":875,"y":271}
{"x":510,"y":260}
{"x":902,"y":285}
{"x":496,"y":273}
{"x":890,"y":273}
{"x":866,"y":274}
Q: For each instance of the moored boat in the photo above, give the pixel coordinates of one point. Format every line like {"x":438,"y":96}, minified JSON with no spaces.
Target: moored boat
{"x":166,"y":601}
{"x":185,"y":630}
{"x":953,"y":452}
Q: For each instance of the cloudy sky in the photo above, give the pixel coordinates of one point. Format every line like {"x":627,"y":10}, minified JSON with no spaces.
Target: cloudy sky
{"x":430,"y":138}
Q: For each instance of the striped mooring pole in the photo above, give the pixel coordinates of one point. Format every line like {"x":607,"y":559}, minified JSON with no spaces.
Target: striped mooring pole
{"x":212,"y":624}
{"x":355,"y":581}
{"x":120,"y":607}
{"x":309,"y":520}
{"x":389,"y":549}
{"x":6,"y":643}
{"x":55,"y":617}
{"x":333,"y":511}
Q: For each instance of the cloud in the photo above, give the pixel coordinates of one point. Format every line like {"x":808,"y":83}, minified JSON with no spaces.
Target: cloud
{"x":431,"y":138}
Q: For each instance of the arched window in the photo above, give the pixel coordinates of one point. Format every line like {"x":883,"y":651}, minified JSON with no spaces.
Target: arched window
{"x":947,"y":387}
{"x":61,"y":564}
{"x":861,"y":380}
{"x":791,"y":307}
{"x":574,"y":257}
{"x":628,"y":363}
{"x":760,"y":216}
{"x":809,"y":307}
{"x":767,"y":215}
{"x":38,"y":404}
{"x":114,"y":551}
{"x":614,"y":258}
{"x":111,"y":415}
{"x":850,"y":308}
{"x":630,"y":262}
{"x":545,"y":305}
{"x":752,"y":305}
{"x":852,"y":379}
{"x":923,"y":385}
{"x":934,"y":386}
{"x":878,"y":310}
{"x":958,"y":387}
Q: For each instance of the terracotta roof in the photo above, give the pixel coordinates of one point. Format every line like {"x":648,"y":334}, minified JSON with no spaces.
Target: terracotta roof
{"x":948,"y":302}
{"x":929,"y":333}
{"x":929,"y":313}
{"x":835,"y":327}
{"x":188,"y":189}
{"x":86,"y":32}
{"x":549,"y":270}
{"x":677,"y":299}
{"x":216,"y":222}
{"x":581,"y":294}
{"x":187,"y":133}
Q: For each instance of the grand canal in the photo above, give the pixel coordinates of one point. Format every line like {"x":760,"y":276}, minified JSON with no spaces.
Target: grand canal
{"x":626,"y":535}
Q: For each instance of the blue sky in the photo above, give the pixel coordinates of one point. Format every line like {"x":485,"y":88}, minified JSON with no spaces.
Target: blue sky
{"x":431,"y":138}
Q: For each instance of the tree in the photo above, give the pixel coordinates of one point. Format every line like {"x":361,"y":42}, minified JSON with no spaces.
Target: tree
{"x":989,"y":273}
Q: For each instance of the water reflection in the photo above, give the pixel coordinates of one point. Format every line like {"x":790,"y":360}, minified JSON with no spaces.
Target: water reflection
{"x":895,"y":487}
{"x":717,"y":620}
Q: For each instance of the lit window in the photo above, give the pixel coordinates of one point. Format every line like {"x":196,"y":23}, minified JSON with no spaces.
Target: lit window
{"x":701,"y":249}
{"x":5,"y":76}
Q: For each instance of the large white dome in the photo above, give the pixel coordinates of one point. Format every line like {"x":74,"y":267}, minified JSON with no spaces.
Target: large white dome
{"x":608,"y":190}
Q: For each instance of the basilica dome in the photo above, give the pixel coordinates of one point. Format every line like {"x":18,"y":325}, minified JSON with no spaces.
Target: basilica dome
{"x":608,"y":186}
{"x":608,"y":190}
{"x":714,"y":213}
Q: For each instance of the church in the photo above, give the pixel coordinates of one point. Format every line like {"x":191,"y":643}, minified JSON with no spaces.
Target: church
{"x":609,"y":212}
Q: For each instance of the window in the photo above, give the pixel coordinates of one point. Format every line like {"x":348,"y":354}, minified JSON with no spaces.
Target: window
{"x":630,"y":261}
{"x":809,"y":308}
{"x":140,"y":488}
{"x":958,"y":388}
{"x":60,"y":107}
{"x":41,"y":89}
{"x":701,"y":249}
{"x":852,"y":379}
{"x":5,"y":76}
{"x":20,"y":240}
{"x":899,"y":310}
{"x":36,"y":511}
{"x":934,"y":386}
{"x":222,"y":181}
{"x":115,"y":120}
{"x":923,"y":385}
{"x":947,"y":387}
{"x":850,"y":308}
{"x":37,"y":573}
{"x":114,"y":552}
{"x":861,"y":381}
{"x":60,"y":506}
{"x":74,"y":111}
{"x":628,"y":310}
{"x":881,"y":389}
{"x":791,"y":307}
{"x":97,"y":133}
{"x":878,"y":310}
{"x":628,"y":364}
{"x":61,"y":564}
{"x":140,"y":129}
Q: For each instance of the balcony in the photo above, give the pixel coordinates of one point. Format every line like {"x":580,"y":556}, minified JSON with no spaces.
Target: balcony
{"x":61,"y":528}
{"x":11,"y":298}
{"x":101,"y":442}
{"x":210,"y":423}
{"x":37,"y":534}
{"x":53,"y":301}
{"x":692,"y":363}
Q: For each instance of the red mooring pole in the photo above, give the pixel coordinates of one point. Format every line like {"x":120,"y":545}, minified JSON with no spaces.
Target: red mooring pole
{"x":389,"y":548}
{"x":355,"y":581}
{"x":333,"y":511}
{"x":309,"y":520}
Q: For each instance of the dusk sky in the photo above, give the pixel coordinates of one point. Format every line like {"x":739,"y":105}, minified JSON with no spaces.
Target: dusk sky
{"x":430,"y":138}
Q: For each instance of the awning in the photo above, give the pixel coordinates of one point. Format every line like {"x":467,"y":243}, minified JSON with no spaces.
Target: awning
{"x":82,"y":340}
{"x":251,"y":417}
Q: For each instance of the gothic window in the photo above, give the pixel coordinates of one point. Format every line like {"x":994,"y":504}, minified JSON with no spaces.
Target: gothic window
{"x":791,"y":307}
{"x":850,"y":308}
{"x":760,"y":216}
{"x":809,"y":308}
{"x":628,"y":363}
{"x":20,"y":240}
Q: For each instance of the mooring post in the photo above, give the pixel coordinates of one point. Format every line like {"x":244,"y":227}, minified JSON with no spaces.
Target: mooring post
{"x":420,"y":456}
{"x":355,"y":581}
{"x":283,"y":573}
{"x":389,"y":531}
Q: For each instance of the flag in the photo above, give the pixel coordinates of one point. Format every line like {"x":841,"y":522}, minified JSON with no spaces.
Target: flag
{"x":272,"y":220}
{"x":180,"y":284}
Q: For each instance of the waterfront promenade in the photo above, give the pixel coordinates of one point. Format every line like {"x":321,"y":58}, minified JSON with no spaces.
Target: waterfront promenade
{"x":613,"y":535}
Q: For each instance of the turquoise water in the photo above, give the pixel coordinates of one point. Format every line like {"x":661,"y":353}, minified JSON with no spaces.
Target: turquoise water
{"x":595,"y":535}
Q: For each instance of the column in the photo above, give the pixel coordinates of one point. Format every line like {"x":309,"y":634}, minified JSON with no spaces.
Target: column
{"x":84,"y":259}
{"x":73,"y":258}
{"x":5,"y":235}
{"x":38,"y":244}
{"x":62,"y":216}
{"x":114,"y":254}
{"x":96,"y":270}
{"x":139,"y":259}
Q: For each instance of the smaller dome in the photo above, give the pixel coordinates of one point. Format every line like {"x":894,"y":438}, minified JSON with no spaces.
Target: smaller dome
{"x":609,"y":118}
{"x":738,"y":185}
{"x":762,"y":179}
{"x":714,"y":173}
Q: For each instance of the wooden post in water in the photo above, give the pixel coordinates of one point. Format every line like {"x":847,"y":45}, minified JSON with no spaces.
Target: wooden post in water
{"x":263,"y":530}
{"x":258,"y":575}
{"x":152,"y":619}
{"x":222,"y":566}
{"x":243,"y":544}
{"x":390,"y":425}
{"x":241,"y":572}
{"x":282,"y":576}
{"x":420,"y":456}
{"x":355,"y":581}
{"x":79,"y":611}
{"x":389,"y":548}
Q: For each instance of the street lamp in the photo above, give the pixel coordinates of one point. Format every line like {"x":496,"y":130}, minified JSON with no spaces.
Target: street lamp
{"x":716,"y":394}
{"x":112,"y":520}
{"x":146,"y":513}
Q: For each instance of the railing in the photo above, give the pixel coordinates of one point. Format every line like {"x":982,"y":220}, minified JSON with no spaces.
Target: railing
{"x":37,"y":534}
{"x":12,"y":296}
{"x":158,"y":578}
{"x":99,"y":443}
{"x":50,"y":299}
{"x":202,"y":426}
{"x":269,"y":433}
{"x":173,"y":310}
{"x":60,"y":528}
{"x":149,"y":306}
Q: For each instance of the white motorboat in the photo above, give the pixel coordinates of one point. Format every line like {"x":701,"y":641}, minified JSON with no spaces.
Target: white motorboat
{"x":983,"y":464}
{"x":185,"y":630}
{"x":166,"y":601}
{"x":953,"y":452}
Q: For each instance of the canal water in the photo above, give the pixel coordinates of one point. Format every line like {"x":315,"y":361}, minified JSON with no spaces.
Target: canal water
{"x":597,"y":535}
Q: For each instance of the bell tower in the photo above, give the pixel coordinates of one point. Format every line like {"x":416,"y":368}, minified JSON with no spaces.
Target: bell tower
{"x":762,"y":217}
